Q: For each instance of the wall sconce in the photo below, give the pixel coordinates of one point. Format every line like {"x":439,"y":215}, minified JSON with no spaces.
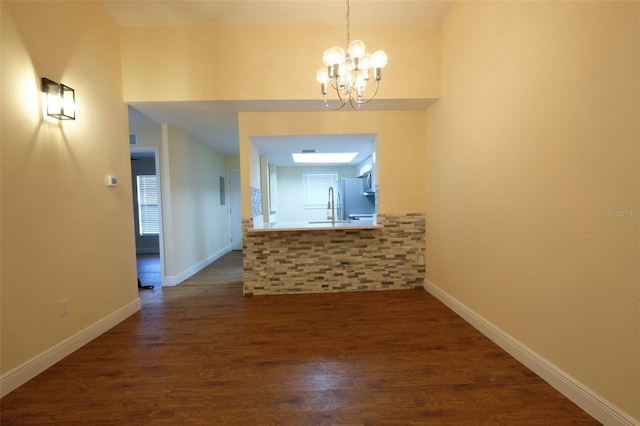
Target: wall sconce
{"x":60,"y":100}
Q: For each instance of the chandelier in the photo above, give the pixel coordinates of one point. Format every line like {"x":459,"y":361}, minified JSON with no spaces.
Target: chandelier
{"x":348,"y":74}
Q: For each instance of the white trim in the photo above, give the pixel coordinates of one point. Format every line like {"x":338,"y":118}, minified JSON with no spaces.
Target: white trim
{"x":235,"y":212}
{"x":177,"y":279}
{"x":598,"y":407}
{"x":20,"y":375}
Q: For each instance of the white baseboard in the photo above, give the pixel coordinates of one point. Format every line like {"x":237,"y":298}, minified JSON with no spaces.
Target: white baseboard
{"x":173,"y":280}
{"x":598,"y":407}
{"x":20,"y":375}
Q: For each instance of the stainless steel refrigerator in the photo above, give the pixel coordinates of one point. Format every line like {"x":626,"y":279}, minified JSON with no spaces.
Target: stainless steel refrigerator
{"x":352,"y":202}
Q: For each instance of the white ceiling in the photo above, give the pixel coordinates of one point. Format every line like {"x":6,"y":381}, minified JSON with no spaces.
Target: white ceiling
{"x":216,"y":122}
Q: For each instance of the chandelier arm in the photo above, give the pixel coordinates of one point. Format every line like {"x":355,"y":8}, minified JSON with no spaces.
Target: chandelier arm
{"x":343,"y":101}
{"x":345,"y":93}
{"x":335,"y":86}
{"x":354,"y":103}
{"x":326,"y":104}
{"x":366,"y":101}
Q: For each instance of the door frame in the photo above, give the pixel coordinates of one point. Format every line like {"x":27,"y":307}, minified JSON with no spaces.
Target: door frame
{"x":156,"y":156}
{"x":235,"y":214}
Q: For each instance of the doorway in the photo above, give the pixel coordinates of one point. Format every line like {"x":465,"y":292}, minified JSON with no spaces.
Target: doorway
{"x":145,"y":163}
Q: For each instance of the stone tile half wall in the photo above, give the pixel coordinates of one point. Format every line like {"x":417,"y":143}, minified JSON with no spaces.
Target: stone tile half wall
{"x":388,"y":258}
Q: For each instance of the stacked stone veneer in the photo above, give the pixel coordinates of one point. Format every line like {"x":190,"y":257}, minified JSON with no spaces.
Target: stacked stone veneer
{"x":336,"y":260}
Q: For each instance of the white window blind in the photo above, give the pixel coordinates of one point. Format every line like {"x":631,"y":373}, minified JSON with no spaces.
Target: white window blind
{"x":316,"y":188}
{"x":148,"y":217}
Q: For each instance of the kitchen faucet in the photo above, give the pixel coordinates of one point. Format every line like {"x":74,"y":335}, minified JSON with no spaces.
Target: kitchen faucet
{"x":331,"y":205}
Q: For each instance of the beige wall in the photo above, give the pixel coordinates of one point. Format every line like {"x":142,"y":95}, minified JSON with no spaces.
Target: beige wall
{"x":400,"y":148}
{"x":266,"y":63}
{"x":65,"y":235}
{"x":533,"y":173}
{"x":245,"y":63}
{"x":199,"y":225}
{"x":147,"y":135}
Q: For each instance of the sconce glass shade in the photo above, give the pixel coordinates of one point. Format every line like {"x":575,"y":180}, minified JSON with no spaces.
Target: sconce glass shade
{"x":60,"y":100}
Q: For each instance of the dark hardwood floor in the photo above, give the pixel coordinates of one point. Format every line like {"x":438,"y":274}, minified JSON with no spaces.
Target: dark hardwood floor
{"x":149,"y":270}
{"x":200,"y":353}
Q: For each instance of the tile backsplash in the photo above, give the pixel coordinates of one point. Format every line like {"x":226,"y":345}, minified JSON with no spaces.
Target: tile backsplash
{"x":256,"y":202}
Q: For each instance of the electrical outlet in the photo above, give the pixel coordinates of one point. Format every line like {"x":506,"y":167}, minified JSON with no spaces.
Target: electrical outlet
{"x":63,"y":307}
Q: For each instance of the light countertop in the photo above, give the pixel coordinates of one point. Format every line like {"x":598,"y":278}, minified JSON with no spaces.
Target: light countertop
{"x":314,"y":226}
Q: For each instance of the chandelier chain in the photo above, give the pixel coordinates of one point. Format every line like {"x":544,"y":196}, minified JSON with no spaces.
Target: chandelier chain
{"x":348,"y":23}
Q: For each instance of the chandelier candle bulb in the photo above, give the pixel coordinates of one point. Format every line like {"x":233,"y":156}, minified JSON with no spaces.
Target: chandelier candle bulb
{"x":322,"y":75}
{"x":356,"y":49}
{"x":378,"y":59}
